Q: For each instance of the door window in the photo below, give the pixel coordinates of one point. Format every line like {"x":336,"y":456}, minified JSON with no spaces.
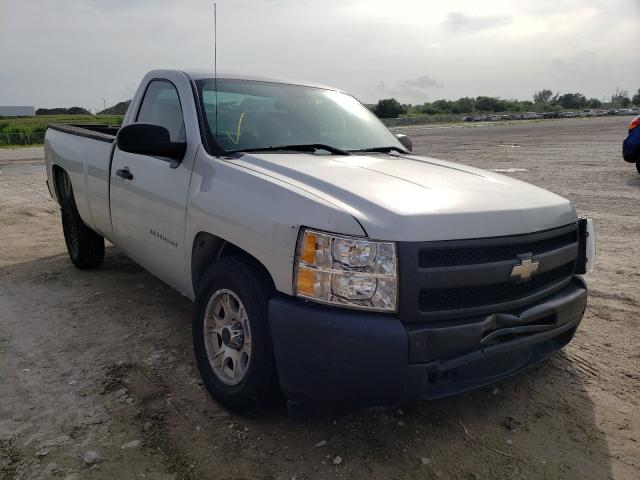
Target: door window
{"x":161,"y":106}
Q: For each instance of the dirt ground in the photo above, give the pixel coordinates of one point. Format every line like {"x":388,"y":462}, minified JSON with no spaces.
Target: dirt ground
{"x":91,"y":361}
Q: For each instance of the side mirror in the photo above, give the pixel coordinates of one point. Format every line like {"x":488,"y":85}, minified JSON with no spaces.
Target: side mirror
{"x":149,"y":139}
{"x":405,"y":141}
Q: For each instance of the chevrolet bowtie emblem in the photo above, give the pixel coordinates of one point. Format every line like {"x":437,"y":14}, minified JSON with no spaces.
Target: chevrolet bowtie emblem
{"x":526,"y":268}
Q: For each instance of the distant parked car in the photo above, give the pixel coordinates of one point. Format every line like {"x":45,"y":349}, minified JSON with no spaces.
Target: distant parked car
{"x":631,"y":144}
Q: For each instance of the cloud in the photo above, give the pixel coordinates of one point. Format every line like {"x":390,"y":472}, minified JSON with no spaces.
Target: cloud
{"x":423,"y":82}
{"x":586,"y":67}
{"x":525,"y":45}
{"x":582,"y":63}
{"x":459,"y":22}
{"x":410,"y":89}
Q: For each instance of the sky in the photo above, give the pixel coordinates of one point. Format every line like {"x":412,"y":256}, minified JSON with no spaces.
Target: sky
{"x":94,"y":52}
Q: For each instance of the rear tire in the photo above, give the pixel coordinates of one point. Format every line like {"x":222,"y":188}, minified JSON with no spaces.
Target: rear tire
{"x":85,"y":247}
{"x":231,"y":334}
{"x":638,"y":166}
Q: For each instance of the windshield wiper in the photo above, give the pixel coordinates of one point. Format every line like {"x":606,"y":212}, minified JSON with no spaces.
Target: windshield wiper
{"x":310,"y":147}
{"x":380,"y":149}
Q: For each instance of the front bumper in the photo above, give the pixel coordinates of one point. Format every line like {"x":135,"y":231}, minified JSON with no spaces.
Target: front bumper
{"x":332,"y":356}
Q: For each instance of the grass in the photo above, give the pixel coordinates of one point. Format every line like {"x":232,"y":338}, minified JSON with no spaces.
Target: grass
{"x":26,"y":131}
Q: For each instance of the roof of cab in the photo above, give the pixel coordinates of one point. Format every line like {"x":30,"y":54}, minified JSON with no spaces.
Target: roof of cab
{"x":197,"y":74}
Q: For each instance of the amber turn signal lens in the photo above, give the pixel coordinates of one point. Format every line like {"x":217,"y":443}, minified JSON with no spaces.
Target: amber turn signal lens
{"x":306,"y":281}
{"x":308,"y":249}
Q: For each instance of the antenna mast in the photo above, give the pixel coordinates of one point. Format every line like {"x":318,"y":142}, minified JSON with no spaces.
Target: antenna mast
{"x":215,"y":62}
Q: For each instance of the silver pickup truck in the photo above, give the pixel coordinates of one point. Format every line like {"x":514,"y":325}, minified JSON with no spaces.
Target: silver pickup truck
{"x":325,"y":260}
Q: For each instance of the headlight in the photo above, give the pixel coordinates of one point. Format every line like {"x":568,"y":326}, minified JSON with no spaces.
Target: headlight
{"x":346,"y":271}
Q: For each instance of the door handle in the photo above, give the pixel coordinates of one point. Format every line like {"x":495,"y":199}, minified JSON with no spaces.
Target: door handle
{"x":124,"y":173}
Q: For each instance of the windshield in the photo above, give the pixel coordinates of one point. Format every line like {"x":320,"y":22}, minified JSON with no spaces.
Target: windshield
{"x":255,"y":115}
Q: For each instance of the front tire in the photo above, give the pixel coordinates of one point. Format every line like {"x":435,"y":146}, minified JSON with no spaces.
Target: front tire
{"x":231,"y":335}
{"x":638,"y":166}
{"x":85,"y":247}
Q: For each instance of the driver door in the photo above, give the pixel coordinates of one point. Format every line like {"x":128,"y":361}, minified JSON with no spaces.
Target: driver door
{"x":149,"y":193}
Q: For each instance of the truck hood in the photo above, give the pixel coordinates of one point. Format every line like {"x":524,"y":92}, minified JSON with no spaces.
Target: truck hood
{"x":413,"y":198}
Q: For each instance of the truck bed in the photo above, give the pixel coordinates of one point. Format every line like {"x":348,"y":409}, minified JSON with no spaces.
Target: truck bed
{"x":103,"y":133}
{"x":84,"y":152}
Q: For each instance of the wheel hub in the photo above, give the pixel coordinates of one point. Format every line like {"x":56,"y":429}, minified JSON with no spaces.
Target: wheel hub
{"x":227,"y":336}
{"x":233,"y":335}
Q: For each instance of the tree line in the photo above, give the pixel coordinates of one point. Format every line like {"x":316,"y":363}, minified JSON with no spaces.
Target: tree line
{"x":63,"y":111}
{"x":117,"y":109}
{"x":543,"y":100}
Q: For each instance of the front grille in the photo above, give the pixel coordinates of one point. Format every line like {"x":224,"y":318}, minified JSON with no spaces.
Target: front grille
{"x":441,"y":257}
{"x":463,"y":278}
{"x":478,"y":296}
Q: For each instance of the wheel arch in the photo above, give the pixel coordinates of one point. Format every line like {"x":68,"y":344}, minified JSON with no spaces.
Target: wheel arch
{"x":61,"y":183}
{"x":207,"y":249}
